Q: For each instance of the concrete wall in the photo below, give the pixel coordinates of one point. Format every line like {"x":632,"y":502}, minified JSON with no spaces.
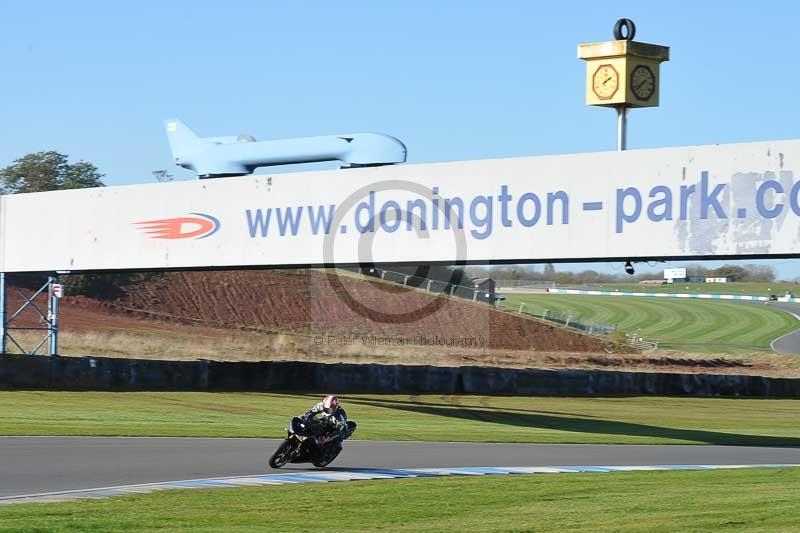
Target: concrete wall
{"x":107,"y":374}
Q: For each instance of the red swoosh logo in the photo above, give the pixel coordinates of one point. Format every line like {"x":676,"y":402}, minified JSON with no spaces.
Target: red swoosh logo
{"x":177,"y":228}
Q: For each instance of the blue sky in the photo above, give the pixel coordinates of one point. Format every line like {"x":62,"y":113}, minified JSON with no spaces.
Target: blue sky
{"x":452,"y":79}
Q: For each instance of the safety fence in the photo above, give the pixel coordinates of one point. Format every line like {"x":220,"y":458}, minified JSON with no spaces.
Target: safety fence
{"x":431,"y":285}
{"x":471,"y":293}
{"x":587,"y":326}
{"x":511,"y":284}
{"x":569,"y":320}
{"x":638,"y":342}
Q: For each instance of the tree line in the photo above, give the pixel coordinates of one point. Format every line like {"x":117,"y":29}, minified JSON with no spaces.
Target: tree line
{"x":548,"y":273}
{"x":52,"y":171}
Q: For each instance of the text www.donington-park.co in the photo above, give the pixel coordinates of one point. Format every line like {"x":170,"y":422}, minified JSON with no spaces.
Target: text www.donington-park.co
{"x":481,"y":214}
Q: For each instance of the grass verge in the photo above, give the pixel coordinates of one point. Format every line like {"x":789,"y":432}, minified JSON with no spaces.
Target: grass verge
{"x":741,"y":500}
{"x":626,"y":420}
{"x":691,"y":325}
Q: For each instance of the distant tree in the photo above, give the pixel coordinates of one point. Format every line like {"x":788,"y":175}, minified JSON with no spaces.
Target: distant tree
{"x":48,"y":171}
{"x":105,"y":286}
{"x":763,"y":273}
{"x":549,"y":272}
{"x":589,"y":276}
{"x":82,"y":175}
{"x":733,"y":272}
{"x":564,"y":278}
{"x":758,"y":273}
{"x":52,"y":171}
{"x":696,"y":270}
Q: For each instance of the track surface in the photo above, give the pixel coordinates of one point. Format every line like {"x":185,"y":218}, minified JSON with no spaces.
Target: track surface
{"x":30,"y":465}
{"x":789,"y":344}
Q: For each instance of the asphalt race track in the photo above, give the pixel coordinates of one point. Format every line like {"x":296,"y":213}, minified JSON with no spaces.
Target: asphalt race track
{"x":32,"y":465}
{"x":788,"y":344}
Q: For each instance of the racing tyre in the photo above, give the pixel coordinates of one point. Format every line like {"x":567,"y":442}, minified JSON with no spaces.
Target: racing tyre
{"x":283,"y":454}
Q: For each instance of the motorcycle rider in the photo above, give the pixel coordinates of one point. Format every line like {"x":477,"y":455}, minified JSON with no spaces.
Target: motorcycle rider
{"x":333,"y":415}
{"x":316,"y":437}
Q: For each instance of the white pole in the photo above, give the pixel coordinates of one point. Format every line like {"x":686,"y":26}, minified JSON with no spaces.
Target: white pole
{"x":622,"y":128}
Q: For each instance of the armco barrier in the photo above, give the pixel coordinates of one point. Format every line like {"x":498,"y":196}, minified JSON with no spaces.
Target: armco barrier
{"x":111,"y":374}
{"x":693,"y":296}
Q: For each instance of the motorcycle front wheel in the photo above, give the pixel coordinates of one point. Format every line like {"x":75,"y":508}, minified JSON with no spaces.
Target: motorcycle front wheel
{"x":283,"y":454}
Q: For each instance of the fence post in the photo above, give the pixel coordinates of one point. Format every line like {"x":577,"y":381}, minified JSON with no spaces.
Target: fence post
{"x":521,"y":307}
{"x":429,"y":284}
{"x":569,"y":317}
{"x":52,"y":316}
{"x":405,"y":280}
{"x":452,"y":290}
{"x":383,"y":274}
{"x":474,"y":296}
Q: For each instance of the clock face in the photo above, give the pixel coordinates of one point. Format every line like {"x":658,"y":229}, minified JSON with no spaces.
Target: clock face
{"x":643,"y":82}
{"x":605,"y":82}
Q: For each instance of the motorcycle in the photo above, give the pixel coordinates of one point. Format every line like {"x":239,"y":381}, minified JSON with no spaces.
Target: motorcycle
{"x":311,"y":440}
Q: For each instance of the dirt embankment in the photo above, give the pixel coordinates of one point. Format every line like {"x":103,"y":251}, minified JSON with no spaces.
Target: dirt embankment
{"x":305,"y":316}
{"x":313,"y":303}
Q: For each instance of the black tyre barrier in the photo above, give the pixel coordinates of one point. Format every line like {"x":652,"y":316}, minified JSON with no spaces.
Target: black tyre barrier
{"x":630,"y":30}
{"x":111,"y":374}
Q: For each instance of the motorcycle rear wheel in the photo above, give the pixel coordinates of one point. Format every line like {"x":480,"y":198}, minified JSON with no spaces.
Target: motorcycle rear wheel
{"x":283,"y":454}
{"x":327,"y":456}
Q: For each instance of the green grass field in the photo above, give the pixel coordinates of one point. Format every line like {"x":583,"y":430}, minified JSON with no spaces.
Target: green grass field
{"x":690,"y":325}
{"x":634,"y":420}
{"x":750,"y":289}
{"x":727,"y":500}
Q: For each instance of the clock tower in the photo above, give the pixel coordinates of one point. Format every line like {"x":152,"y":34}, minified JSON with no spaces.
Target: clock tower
{"x":623,"y":71}
{"x":622,"y":74}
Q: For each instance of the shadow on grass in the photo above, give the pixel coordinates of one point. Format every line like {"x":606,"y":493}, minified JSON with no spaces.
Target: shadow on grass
{"x":578,"y":424}
{"x":483,"y":404}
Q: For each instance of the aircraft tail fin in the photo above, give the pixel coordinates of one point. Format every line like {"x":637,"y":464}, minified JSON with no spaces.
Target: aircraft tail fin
{"x":181,"y":138}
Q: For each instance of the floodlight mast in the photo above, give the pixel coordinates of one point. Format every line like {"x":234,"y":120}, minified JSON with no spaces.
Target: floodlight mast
{"x":216,"y":157}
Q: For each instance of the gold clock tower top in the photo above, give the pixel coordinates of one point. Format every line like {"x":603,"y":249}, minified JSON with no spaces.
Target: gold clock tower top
{"x":623,"y":72}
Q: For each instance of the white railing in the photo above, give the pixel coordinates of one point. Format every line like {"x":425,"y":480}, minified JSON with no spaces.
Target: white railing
{"x":639,"y":342}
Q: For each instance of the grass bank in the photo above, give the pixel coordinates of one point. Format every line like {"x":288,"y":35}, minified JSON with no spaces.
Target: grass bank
{"x":778,"y":288}
{"x":743,"y":500}
{"x":689,"y":325}
{"x":635,"y":420}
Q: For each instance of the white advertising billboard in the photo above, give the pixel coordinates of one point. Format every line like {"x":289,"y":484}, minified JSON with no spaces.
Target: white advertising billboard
{"x":694,"y":202}
{"x":674,"y":273}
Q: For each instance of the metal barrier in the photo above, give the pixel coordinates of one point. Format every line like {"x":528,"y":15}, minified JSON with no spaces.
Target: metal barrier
{"x":639,"y":342}
{"x":591,"y":327}
{"x":524,"y":284}
{"x":570,"y":321}
{"x":431,"y":285}
{"x":470,"y":293}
